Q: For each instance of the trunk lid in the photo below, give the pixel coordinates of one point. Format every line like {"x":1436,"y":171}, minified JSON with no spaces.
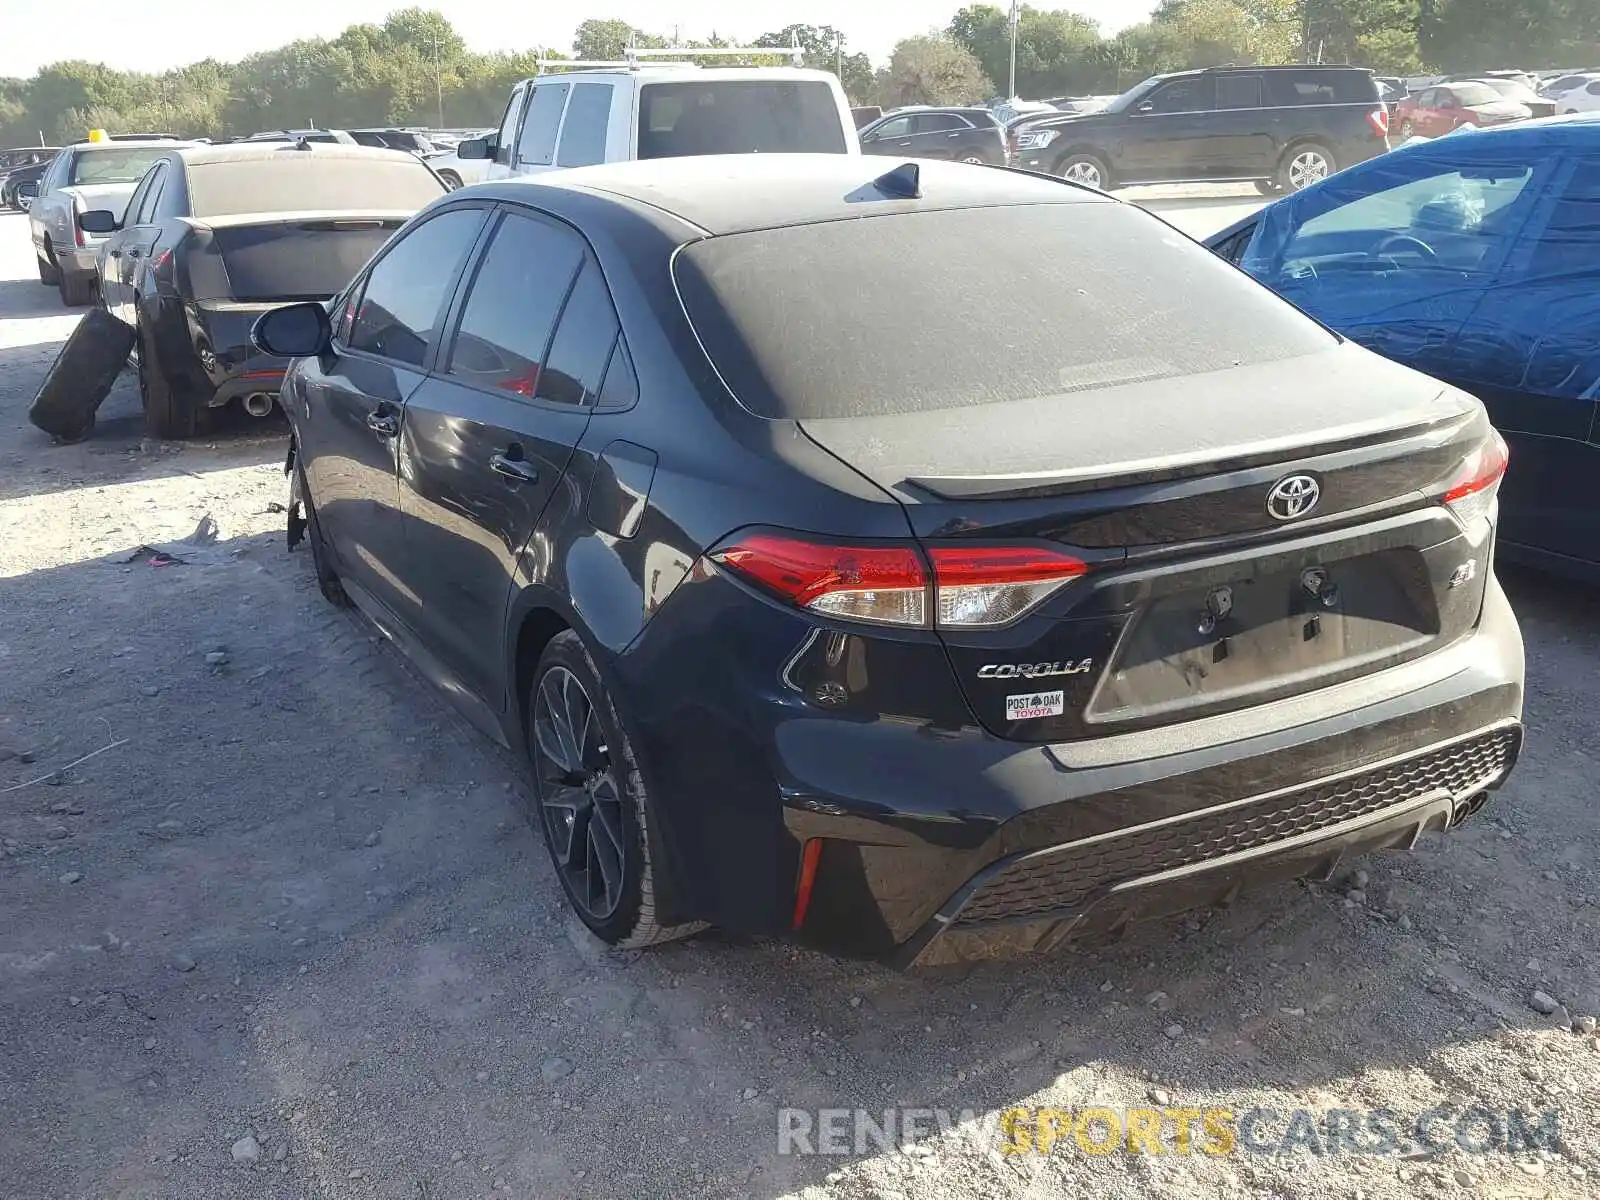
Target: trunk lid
{"x":1200,"y":598}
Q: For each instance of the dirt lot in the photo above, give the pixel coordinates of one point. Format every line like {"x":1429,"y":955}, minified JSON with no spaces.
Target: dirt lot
{"x":285,"y":934}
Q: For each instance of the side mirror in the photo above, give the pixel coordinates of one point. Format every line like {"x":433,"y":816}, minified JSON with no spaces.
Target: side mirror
{"x":99,"y":220}
{"x":293,"y":331}
{"x":476,"y":150}
{"x":28,"y":188}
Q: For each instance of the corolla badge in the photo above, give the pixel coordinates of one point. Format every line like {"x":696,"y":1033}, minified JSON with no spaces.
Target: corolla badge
{"x":1034,"y":670}
{"x":1293,"y":496}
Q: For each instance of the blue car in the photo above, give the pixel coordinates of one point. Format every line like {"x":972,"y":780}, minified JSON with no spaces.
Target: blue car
{"x":1477,"y":260}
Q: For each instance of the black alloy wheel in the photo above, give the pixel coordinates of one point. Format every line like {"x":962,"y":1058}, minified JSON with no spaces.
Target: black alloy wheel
{"x":580,"y":802}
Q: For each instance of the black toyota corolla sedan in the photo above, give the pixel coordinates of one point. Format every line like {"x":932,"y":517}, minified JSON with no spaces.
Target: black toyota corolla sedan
{"x":917,"y":563}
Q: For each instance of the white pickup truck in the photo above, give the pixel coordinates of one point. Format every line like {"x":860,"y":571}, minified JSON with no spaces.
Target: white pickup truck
{"x":582,"y":113}
{"x":89,"y":175}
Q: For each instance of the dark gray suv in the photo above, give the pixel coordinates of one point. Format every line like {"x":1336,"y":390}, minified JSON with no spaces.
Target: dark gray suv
{"x":1280,"y":127}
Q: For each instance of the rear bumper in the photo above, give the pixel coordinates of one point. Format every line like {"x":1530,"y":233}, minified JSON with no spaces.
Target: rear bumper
{"x":938,"y":846}
{"x":219,"y":339}
{"x":81,"y":263}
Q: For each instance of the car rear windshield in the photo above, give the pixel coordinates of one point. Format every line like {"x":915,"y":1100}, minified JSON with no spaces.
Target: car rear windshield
{"x":301,"y":181}
{"x":754,"y":116}
{"x":297,"y":260}
{"x":115,"y":164}
{"x":933,"y":310}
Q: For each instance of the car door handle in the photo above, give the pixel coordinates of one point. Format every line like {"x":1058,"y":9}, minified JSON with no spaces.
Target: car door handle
{"x":907,"y":142}
{"x":384,"y":423}
{"x":514,"y":466}
{"x":954,"y":136}
{"x":135,"y":253}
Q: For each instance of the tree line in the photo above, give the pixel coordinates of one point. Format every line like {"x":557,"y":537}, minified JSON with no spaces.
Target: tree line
{"x":414,"y":69}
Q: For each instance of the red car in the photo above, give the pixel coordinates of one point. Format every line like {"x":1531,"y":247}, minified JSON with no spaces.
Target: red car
{"x":1446,"y":106}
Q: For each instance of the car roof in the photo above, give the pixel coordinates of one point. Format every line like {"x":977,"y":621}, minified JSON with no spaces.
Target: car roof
{"x":133,"y":144}
{"x":688,"y":72}
{"x":263,"y":151}
{"x":736,"y":193}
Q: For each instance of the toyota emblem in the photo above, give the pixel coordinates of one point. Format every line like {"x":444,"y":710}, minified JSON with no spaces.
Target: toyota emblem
{"x":1293,"y":496}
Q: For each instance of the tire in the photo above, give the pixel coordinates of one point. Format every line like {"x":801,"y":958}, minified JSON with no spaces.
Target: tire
{"x":1086,"y":169}
{"x":76,"y":290}
{"x":1268,"y":187}
{"x":321,"y":561}
{"x":81,"y":377}
{"x":451,"y":179}
{"x":975,"y":160}
{"x":587,"y":786}
{"x":49,"y":273}
{"x":166,"y":415}
{"x":1300,"y":166}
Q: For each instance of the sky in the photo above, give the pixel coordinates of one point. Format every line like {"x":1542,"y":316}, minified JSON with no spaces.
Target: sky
{"x":152,"y":35}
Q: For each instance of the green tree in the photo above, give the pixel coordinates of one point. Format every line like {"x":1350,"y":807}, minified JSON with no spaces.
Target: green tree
{"x":932,"y":70}
{"x":824,"y":49}
{"x":605,"y":40}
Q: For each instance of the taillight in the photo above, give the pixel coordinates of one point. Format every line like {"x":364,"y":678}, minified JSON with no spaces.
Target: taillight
{"x":954,"y":587}
{"x":77,"y":232}
{"x":1378,"y":118}
{"x":994,"y":585}
{"x":886,"y":585}
{"x":160,"y":261}
{"x":1476,"y":485}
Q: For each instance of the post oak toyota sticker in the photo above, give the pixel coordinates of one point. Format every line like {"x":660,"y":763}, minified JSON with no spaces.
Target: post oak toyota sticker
{"x":1033,"y":705}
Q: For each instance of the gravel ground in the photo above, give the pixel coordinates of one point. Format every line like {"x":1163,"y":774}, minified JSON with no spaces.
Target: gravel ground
{"x":286,"y":934}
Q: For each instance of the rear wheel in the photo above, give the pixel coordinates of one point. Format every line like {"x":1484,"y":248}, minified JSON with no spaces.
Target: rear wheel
{"x":1304,"y":165}
{"x":592,"y":806}
{"x":976,"y":160}
{"x":1085,"y":169}
{"x":166,"y":415}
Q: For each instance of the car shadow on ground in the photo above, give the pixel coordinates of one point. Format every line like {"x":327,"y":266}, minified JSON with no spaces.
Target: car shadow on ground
{"x":294,"y":897}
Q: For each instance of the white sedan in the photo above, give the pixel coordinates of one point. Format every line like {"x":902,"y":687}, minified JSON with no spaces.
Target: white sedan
{"x":1584,"y":98}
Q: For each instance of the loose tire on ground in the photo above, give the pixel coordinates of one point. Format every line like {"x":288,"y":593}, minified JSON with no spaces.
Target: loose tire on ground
{"x":565,"y":670}
{"x":81,"y":376}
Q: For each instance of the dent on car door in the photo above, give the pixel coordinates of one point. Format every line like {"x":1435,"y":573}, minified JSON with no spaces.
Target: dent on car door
{"x":489,"y":437}
{"x":351,"y":406}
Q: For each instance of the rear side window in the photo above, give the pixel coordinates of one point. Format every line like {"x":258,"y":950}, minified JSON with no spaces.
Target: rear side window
{"x":1239,"y":91}
{"x":406,"y":288}
{"x":537,"y":145}
{"x":939,"y":122}
{"x":576,"y":364}
{"x":583,"y":134}
{"x":522,"y":281}
{"x":753,"y":116}
{"x":867,"y":328}
{"x":1322,"y":87}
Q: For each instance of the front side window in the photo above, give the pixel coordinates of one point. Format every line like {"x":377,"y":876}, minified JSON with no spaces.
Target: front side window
{"x":521,"y":283}
{"x":1186,"y":95}
{"x":406,"y":288}
{"x":508,"y":123}
{"x":895,"y":127}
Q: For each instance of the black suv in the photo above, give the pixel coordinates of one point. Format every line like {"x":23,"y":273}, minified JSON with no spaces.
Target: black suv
{"x":1282,"y":127}
{"x":970,"y":135}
